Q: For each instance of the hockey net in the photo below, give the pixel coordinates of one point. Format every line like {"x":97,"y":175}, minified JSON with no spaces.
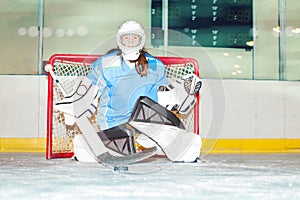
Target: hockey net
{"x":67,"y":68}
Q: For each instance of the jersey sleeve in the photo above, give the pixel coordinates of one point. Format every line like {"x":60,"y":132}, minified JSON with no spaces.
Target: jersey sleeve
{"x":96,"y":75}
{"x":160,"y":70}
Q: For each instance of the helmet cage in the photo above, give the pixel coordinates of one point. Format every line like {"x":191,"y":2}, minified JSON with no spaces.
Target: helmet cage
{"x":130,"y":40}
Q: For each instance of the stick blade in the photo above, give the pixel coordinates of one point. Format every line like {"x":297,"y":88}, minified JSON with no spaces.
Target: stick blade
{"x":110,"y":160}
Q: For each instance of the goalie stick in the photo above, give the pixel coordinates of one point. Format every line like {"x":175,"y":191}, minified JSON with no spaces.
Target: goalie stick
{"x":101,"y":153}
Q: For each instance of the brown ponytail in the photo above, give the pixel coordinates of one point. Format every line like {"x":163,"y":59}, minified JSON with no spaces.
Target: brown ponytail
{"x":141,"y":64}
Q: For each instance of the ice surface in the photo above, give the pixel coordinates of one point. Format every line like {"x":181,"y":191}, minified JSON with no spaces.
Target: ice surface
{"x":31,"y":176}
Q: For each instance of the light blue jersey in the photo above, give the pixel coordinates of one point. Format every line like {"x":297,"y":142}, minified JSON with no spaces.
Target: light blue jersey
{"x":120,"y":86}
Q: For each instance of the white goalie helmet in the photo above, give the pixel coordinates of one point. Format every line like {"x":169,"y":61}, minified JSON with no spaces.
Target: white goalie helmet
{"x":131,"y":40}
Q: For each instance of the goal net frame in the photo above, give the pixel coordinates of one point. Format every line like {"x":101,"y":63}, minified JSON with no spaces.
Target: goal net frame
{"x":176,"y":68}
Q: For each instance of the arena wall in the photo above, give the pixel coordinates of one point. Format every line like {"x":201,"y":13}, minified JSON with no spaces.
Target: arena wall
{"x":236,"y":116}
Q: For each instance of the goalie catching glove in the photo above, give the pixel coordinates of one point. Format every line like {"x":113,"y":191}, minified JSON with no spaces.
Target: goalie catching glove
{"x":179,"y":95}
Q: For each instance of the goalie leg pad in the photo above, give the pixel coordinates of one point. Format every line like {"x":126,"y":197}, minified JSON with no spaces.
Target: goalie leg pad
{"x":187,"y":147}
{"x":177,"y":144}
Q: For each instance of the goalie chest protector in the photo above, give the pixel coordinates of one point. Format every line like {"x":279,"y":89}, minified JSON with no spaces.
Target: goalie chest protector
{"x":120,"y":87}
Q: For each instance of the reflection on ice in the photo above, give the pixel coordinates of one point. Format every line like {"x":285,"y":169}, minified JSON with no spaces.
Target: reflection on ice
{"x":31,"y":176}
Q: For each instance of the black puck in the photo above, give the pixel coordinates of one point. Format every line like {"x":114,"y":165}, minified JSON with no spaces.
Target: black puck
{"x":121,"y":168}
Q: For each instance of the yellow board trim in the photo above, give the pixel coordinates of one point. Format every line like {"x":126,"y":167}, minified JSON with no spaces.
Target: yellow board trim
{"x":225,"y":146}
{"x":211,"y":146}
{"x":22,"y":145}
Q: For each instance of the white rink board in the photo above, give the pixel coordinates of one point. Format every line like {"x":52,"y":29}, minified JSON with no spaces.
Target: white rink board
{"x":292,"y":107}
{"x":253,"y":109}
{"x":269,"y":109}
{"x":23,"y":106}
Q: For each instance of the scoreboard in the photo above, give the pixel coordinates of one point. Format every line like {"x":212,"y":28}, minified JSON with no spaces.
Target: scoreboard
{"x":210,"y":23}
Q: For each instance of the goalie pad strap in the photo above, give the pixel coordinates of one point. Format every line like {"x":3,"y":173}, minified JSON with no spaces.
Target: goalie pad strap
{"x":117,"y":132}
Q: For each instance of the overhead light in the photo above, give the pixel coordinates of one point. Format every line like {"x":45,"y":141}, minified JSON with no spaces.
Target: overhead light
{"x":239,"y":57}
{"x":276,"y":29}
{"x":60,"y":32}
{"x":236,"y":66}
{"x":296,"y":30}
{"x":226,"y":54}
{"x":250,"y":43}
{"x":234,"y":73}
{"x":22,"y":31}
{"x":47,"y":32}
{"x":70,"y":32}
{"x":82,"y":31}
{"x":33,"y":31}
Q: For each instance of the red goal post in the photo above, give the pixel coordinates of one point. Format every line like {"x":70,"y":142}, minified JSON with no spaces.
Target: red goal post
{"x":67,"y":68}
